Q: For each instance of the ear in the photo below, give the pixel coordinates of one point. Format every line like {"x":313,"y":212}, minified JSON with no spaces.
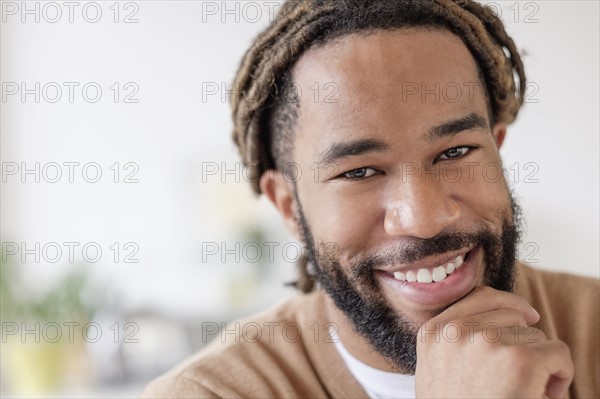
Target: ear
{"x":499,"y":133}
{"x":281,"y":193}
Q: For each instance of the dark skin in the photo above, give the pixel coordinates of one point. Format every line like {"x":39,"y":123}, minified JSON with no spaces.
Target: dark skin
{"x":365,"y":200}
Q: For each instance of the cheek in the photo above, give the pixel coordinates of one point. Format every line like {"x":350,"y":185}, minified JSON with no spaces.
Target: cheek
{"x":481,"y":191}
{"x":346,"y":220}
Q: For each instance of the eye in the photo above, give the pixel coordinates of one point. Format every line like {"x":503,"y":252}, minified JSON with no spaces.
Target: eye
{"x":456,"y":152}
{"x":359,"y":173}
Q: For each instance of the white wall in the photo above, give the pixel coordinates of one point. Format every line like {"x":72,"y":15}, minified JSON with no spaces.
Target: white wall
{"x":170,"y":133}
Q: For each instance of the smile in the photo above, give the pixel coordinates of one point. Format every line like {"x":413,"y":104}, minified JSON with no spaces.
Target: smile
{"x":431,"y":275}
{"x":435,"y":281}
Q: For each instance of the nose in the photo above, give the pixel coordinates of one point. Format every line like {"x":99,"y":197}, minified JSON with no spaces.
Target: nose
{"x":421,"y":209}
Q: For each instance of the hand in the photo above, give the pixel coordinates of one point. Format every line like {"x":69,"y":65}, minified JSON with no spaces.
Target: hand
{"x":484,"y":346}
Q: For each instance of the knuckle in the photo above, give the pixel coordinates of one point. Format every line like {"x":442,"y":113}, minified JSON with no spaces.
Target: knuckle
{"x":564,"y":349}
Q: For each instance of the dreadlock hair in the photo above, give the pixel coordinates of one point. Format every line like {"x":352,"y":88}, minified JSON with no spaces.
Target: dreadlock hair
{"x":264,"y":106}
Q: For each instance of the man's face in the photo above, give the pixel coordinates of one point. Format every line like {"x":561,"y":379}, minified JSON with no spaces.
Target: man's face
{"x":400,"y":173}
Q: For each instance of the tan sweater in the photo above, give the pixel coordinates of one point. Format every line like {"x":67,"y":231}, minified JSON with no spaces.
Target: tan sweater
{"x":286,"y":352}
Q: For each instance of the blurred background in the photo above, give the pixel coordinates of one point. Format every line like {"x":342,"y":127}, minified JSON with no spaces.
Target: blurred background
{"x":129,"y":233}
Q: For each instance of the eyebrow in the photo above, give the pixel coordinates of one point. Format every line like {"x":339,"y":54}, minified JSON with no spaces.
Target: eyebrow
{"x":450,"y":128}
{"x":364,"y":146}
{"x":352,"y":148}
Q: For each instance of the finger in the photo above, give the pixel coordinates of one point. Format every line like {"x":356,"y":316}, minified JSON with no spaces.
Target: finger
{"x":557,"y":360}
{"x":485,"y":299}
{"x":501,"y":318}
{"x":504,"y":325}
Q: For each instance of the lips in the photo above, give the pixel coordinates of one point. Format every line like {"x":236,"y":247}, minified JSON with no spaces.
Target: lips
{"x":449,"y":261}
{"x":420,"y":287}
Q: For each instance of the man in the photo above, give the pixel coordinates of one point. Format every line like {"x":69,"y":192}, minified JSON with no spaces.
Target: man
{"x":411,"y":245}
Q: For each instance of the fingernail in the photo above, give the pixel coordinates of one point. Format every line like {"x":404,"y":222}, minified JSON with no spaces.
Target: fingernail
{"x":535,"y":314}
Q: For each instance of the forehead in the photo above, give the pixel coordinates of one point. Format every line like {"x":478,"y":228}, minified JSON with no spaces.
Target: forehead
{"x":410,"y":53}
{"x":408,"y":74}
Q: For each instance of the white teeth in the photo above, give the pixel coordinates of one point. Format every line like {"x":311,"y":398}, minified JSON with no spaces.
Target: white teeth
{"x":427,"y":276}
{"x":458,"y":261}
{"x":400,"y":276}
{"x":424,"y":276}
{"x":439,"y":274}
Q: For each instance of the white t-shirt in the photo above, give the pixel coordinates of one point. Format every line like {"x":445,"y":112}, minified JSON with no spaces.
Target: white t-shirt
{"x":375,"y":382}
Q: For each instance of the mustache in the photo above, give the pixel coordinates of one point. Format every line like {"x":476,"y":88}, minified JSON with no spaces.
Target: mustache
{"x":419,"y":249}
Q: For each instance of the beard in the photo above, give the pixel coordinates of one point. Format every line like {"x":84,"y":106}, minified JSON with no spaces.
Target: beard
{"x":358,"y":295}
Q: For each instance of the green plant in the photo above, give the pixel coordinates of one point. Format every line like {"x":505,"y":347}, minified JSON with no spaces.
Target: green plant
{"x":72,"y":298}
